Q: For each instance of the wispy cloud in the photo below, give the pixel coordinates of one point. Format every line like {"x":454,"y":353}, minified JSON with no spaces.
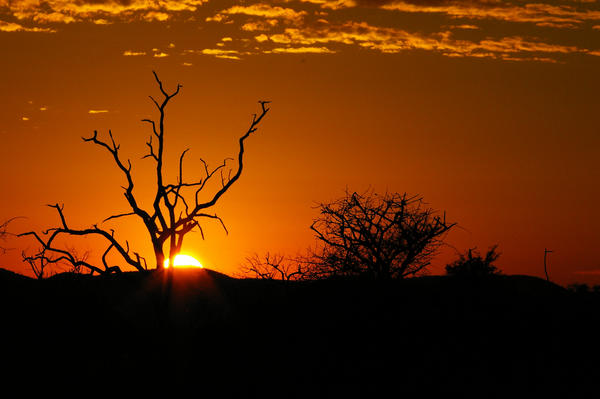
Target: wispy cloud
{"x":265,"y":11}
{"x":62,"y":11}
{"x":156,"y":16}
{"x":260,"y":25}
{"x":391,"y":40}
{"x":53,"y":17}
{"x":507,"y":30}
{"x":542,"y":14}
{"x":302,"y":50}
{"x":262,"y":16}
{"x":324,"y":24}
{"x":464,"y":26}
{"x":220,"y":53}
{"x":332,"y":4}
{"x":15,"y":27}
{"x":261,"y":38}
{"x":545,"y":13}
{"x":129,"y":53}
{"x":555,"y":14}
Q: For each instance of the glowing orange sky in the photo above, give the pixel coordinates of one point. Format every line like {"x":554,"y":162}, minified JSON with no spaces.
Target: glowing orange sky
{"x":487,"y":109}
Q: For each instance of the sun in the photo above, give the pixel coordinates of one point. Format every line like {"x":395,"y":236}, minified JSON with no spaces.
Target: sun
{"x":182,"y":260}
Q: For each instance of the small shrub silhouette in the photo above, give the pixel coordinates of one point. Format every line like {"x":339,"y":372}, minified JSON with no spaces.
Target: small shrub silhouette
{"x":472,"y":264}
{"x":584,"y":289}
{"x":273,"y":267}
{"x":579,"y":288}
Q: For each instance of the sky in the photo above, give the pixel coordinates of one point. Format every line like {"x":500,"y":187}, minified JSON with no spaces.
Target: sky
{"x":487,"y":109}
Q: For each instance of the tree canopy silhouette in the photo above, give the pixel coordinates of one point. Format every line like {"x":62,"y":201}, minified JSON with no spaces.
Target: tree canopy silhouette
{"x":472,"y":264}
{"x":174,"y":212}
{"x":378,"y":236}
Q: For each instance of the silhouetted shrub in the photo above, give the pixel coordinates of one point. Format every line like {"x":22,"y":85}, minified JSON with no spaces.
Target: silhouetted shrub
{"x":375,"y":236}
{"x":579,"y":288}
{"x":4,"y":233}
{"x":472,"y":264}
{"x":273,"y":267}
{"x":584,"y":289}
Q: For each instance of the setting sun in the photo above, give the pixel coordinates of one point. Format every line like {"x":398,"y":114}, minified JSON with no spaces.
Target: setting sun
{"x":183,"y":261}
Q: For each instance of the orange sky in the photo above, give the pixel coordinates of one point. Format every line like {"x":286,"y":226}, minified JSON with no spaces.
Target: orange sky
{"x":487,"y":109}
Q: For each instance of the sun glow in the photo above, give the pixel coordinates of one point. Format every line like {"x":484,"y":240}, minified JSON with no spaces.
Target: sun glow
{"x":183,"y":261}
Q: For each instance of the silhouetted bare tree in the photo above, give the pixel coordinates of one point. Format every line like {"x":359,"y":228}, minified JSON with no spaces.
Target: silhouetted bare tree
{"x":472,"y":264}
{"x":173,"y":214}
{"x":274,"y":267}
{"x":39,"y":263}
{"x":378,"y":236}
{"x":4,"y":233}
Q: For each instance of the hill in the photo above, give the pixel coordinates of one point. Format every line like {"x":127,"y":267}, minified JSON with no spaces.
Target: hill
{"x":336,"y":338}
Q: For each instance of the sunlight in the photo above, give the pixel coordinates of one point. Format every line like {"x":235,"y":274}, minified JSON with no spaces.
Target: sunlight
{"x":182,"y":260}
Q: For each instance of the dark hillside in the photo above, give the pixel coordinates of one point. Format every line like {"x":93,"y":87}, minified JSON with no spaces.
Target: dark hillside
{"x":337,"y":338}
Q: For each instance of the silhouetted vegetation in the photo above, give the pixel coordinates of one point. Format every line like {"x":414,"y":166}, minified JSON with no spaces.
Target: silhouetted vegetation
{"x":368,"y":334}
{"x":172,"y":216}
{"x":38,"y":263}
{"x":287,"y":339}
{"x":472,"y":264}
{"x":274,"y":267}
{"x":41,"y":263}
{"x":4,"y":233}
{"x":584,"y":289}
{"x":376,"y":236}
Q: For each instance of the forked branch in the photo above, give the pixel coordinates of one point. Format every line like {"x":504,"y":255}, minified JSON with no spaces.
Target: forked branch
{"x":48,"y":237}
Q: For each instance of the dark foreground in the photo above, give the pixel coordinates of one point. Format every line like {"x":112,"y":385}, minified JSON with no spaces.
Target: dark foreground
{"x":509,"y":336}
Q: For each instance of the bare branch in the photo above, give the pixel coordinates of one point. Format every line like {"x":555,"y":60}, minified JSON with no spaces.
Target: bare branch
{"x":155,"y":102}
{"x":153,"y":126}
{"x":47,"y":244}
{"x":160,"y":85}
{"x":119,"y":216}
{"x":200,"y":206}
{"x":151,"y":149}
{"x":114,"y":151}
{"x":59,"y":209}
{"x":208,"y":176}
{"x":4,"y":233}
{"x":214,"y":217}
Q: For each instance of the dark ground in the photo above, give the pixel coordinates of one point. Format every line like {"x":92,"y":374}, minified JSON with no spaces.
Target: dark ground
{"x":503,"y":336}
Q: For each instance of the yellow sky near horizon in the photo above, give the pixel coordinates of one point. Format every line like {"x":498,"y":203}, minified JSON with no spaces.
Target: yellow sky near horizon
{"x":485,"y":108}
